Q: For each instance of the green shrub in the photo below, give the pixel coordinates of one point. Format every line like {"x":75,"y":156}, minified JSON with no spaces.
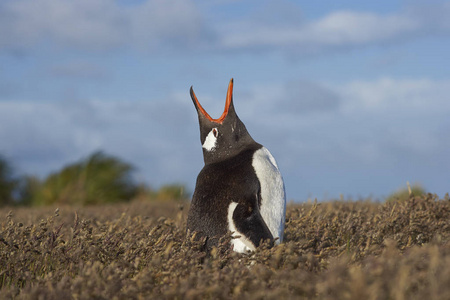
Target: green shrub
{"x":7,"y":183}
{"x":168,"y":192}
{"x":28,"y":187}
{"x":172,"y":192}
{"x":405,"y":193}
{"x":98,"y":179}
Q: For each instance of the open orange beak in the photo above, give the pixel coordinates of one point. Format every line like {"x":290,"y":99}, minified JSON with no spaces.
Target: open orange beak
{"x":227,"y":104}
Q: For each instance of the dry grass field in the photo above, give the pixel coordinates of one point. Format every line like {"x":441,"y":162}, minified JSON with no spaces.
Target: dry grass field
{"x":332,"y":250}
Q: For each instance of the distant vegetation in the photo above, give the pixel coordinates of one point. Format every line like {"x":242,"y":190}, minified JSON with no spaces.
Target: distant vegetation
{"x":404,"y":194}
{"x":97,"y":179}
{"x":168,"y":192}
{"x":7,"y":183}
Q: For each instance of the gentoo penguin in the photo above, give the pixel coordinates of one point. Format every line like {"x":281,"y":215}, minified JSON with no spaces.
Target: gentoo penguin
{"x":240,"y":189}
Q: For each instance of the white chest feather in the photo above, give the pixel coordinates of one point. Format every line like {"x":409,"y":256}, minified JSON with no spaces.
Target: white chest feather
{"x":273,"y":197}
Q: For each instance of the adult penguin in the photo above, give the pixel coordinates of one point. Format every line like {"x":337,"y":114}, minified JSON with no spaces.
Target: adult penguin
{"x":240,"y":189}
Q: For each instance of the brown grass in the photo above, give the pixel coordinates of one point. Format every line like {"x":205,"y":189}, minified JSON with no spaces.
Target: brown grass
{"x":333,"y":250}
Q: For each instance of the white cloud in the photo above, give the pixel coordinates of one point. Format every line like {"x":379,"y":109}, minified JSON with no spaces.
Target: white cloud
{"x":99,"y":24}
{"x":180,"y":25}
{"x":339,"y":29}
{"x":93,"y":24}
{"x":385,"y":95}
{"x":347,"y":28}
{"x":400,"y":118}
{"x":177,"y":23}
{"x":79,"y":69}
{"x":296,"y":103}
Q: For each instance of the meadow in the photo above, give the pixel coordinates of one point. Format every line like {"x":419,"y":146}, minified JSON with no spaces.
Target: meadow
{"x":140,"y":250}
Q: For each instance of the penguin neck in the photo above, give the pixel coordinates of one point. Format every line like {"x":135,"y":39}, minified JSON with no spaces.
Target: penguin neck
{"x":219,"y":155}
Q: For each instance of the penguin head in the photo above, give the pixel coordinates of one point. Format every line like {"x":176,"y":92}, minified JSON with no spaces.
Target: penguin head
{"x":224,"y":137}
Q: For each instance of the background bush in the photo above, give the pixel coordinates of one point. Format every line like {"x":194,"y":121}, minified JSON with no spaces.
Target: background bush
{"x":98,"y":179}
{"x":403,"y":194}
{"x":168,"y":192}
{"x":7,"y":183}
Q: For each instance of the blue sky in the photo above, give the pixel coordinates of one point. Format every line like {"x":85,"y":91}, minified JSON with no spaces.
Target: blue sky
{"x":351,"y":97}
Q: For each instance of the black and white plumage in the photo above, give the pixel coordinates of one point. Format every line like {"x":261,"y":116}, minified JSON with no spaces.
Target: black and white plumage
{"x":240,"y":188}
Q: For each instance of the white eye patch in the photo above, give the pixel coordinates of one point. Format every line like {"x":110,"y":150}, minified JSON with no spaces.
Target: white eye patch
{"x":211,"y":140}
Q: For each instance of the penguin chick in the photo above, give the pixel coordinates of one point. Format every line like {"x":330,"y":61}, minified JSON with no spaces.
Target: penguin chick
{"x":240,"y":189}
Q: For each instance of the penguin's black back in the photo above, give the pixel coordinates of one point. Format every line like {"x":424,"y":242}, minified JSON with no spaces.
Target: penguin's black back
{"x":219,"y":184}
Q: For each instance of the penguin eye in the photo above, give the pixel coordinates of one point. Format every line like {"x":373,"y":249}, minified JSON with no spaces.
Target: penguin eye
{"x":215,"y":132}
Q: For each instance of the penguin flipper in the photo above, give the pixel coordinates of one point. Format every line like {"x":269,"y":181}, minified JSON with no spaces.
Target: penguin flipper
{"x":248,"y":225}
